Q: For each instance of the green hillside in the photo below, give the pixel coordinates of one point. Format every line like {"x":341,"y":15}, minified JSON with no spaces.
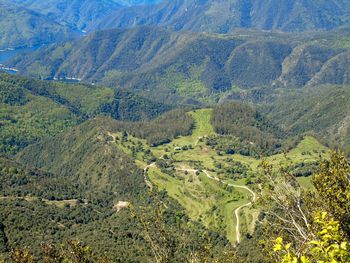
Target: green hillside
{"x":323,"y":111}
{"x":195,"y":68}
{"x":83,"y":197}
{"x":32,"y":110}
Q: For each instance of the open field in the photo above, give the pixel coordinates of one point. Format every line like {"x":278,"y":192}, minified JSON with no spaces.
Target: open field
{"x":206,"y":200}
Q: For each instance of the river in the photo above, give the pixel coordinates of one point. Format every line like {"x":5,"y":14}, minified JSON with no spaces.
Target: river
{"x":8,"y":53}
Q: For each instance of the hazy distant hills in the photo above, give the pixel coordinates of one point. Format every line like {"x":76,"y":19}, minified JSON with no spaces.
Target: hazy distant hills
{"x":171,"y":65}
{"x":81,"y":14}
{"x":30,"y":22}
{"x":76,"y":13}
{"x":23,"y":27}
{"x":226,"y":15}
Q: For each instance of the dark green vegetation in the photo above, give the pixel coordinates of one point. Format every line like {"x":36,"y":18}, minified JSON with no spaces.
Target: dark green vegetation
{"x":323,"y":111}
{"x":227,"y":15}
{"x":246,"y":130}
{"x":195,"y":67}
{"x":78,"y":198}
{"x":161,"y":130}
{"x":32,"y":109}
{"x":23,"y":27}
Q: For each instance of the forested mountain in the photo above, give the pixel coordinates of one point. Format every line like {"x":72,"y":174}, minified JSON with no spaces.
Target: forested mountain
{"x":88,"y":178}
{"x":323,"y":110}
{"x":23,"y":27}
{"x":225,"y":16}
{"x":79,"y":14}
{"x":173,"y":66}
{"x":31,"y":109}
{"x":256,"y":133}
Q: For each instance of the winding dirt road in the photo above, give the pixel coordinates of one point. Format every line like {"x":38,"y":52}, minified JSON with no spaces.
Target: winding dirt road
{"x":238,"y":233}
{"x":148,"y":183}
{"x":237,"y":210}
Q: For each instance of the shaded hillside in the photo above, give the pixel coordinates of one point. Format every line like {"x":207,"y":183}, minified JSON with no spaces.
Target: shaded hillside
{"x":244,"y":130}
{"x":32,"y":109}
{"x":323,"y":110}
{"x":225,"y":16}
{"x":23,"y":27}
{"x":80,"y":14}
{"x":161,"y":130}
{"x":192,"y":68}
{"x":103,"y":175}
{"x":86,"y":153}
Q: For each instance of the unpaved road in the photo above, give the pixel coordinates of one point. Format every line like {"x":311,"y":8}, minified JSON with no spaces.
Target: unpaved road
{"x":148,"y":183}
{"x":237,"y":210}
{"x":238,"y":233}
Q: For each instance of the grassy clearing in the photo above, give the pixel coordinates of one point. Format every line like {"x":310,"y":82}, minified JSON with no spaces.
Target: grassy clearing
{"x":202,"y":128}
{"x":308,"y":150}
{"x":206,"y":200}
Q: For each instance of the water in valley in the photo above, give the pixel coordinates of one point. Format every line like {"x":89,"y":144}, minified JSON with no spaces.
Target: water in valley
{"x":8,"y":53}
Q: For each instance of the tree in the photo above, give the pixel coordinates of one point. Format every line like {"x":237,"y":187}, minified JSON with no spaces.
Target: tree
{"x":333,"y":186}
{"x":325,"y":236}
{"x":329,"y":245}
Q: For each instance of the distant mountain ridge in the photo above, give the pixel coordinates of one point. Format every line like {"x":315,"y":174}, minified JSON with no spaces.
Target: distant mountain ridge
{"x":224,"y":16}
{"x":20,"y":27}
{"x":80,"y":14}
{"x":170,"y":66}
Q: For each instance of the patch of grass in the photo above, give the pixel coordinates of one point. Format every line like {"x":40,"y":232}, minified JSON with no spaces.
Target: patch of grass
{"x":308,"y":150}
{"x":204,"y":199}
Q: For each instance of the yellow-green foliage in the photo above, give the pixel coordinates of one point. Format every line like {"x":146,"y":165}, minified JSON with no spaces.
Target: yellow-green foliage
{"x":333,"y":185}
{"x":328,"y":246}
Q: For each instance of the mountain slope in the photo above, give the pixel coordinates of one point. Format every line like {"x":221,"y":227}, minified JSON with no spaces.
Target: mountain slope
{"x":23,"y":27}
{"x":226,"y":15}
{"x":86,"y":150}
{"x":323,"y":110}
{"x":80,"y":14}
{"x":174,"y":65}
{"x":104,"y":176}
{"x":31,"y":110}
{"x":195,"y":67}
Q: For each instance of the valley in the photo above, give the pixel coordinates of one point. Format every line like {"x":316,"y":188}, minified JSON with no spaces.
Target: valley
{"x":188,"y":170}
{"x":167,"y":131}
